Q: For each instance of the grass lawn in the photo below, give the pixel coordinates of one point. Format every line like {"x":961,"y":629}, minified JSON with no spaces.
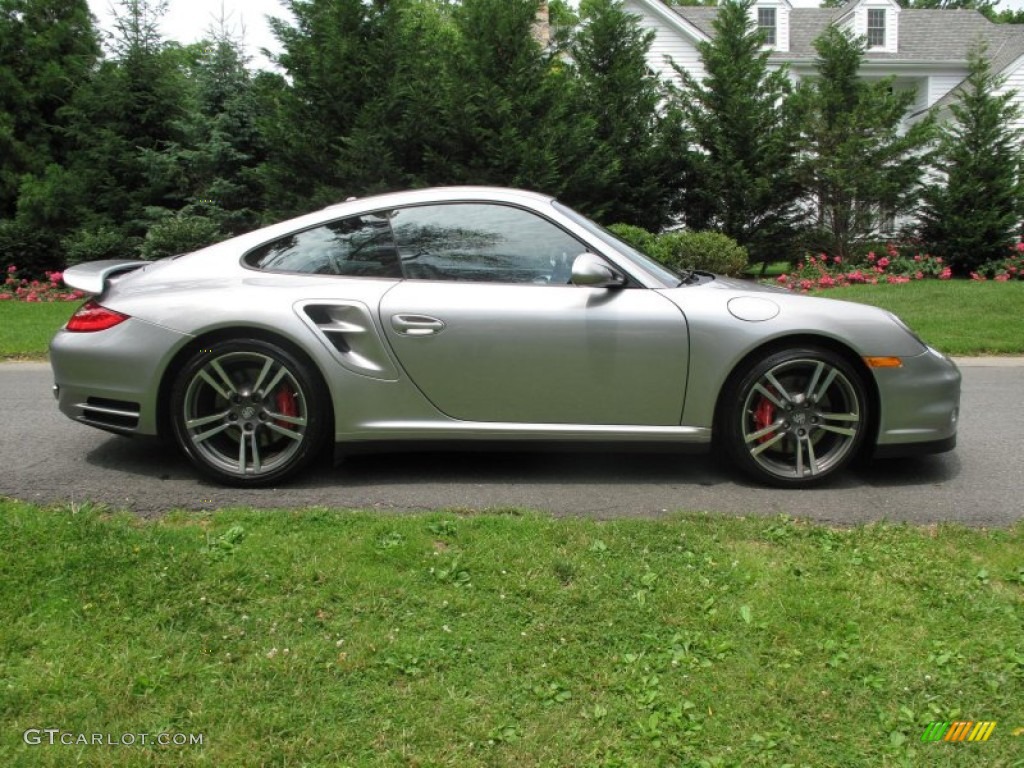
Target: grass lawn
{"x":26,"y":329}
{"x":351,"y":639}
{"x":957,"y":317}
{"x":774,"y":269}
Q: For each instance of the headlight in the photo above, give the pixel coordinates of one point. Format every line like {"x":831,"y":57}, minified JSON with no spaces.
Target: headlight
{"x":907,"y":328}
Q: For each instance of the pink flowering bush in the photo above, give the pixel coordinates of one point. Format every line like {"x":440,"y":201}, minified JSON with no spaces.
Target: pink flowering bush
{"x":51,"y":289}
{"x":891,"y":268}
{"x":1010,"y":268}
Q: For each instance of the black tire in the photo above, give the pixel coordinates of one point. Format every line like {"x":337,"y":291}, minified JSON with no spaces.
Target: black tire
{"x":794,"y":418}
{"x":248,"y":412}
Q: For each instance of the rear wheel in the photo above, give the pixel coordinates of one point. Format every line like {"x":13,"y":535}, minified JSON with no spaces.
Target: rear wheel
{"x":795,"y":417}
{"x":248,"y":412}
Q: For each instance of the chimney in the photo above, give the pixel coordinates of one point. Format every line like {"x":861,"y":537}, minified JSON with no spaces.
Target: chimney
{"x":542,"y":25}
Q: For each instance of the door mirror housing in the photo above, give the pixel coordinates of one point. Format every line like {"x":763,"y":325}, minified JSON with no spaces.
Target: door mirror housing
{"x":591,"y":271}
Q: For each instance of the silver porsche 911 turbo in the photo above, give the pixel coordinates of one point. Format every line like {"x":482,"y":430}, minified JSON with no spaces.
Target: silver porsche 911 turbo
{"x":480,"y":315}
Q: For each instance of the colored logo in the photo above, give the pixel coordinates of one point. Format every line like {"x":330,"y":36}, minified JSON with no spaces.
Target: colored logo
{"x":961,"y":730}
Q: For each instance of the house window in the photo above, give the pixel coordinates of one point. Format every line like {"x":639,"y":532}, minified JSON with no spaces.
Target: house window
{"x":766,"y":24}
{"x":876,"y":28}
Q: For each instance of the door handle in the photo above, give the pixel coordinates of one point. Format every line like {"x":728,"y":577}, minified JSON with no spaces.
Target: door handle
{"x":416,"y":325}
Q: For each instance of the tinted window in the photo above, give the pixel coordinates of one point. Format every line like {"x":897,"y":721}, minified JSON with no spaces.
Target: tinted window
{"x":483,"y":242}
{"x":359,"y":246}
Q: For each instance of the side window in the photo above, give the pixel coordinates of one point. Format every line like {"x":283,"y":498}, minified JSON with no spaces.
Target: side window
{"x":484,"y":242}
{"x":360,"y":246}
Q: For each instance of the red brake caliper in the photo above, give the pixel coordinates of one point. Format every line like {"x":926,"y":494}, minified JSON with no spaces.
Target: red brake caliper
{"x":285,"y":401}
{"x":764,"y":414}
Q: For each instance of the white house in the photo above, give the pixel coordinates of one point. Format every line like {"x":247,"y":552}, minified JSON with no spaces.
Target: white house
{"x":925,"y":50}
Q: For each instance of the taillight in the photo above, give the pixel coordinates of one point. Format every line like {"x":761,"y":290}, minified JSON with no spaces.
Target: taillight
{"x":92,"y":317}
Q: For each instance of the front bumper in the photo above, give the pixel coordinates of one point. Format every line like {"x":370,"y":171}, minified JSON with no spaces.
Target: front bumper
{"x":920,"y":405}
{"x":111,"y":379}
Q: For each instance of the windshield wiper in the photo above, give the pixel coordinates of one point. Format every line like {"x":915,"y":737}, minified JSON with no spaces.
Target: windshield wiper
{"x":686,"y":276}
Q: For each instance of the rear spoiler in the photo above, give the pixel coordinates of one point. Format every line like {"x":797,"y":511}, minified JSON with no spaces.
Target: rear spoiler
{"x":92,"y":276}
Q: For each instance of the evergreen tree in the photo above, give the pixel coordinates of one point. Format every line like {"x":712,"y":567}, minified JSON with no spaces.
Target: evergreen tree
{"x":513,"y":111}
{"x":639,"y":164}
{"x":337,"y":62}
{"x":973,"y":209}
{"x":1004,"y":16}
{"x":744,"y":179}
{"x":860,"y":161}
{"x":406,"y":136}
{"x":132,"y":109}
{"x":216,"y":163}
{"x":48,"y":48}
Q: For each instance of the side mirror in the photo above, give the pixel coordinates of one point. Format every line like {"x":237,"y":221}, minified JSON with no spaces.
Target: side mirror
{"x":591,"y":271}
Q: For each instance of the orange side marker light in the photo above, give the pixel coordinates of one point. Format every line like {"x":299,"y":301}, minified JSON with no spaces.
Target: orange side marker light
{"x":883,"y":362}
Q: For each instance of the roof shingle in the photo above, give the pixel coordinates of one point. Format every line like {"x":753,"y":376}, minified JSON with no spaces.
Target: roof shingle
{"x":924,"y":35}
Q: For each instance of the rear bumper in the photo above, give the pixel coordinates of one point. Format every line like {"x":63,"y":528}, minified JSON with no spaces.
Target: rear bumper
{"x":111,"y":379}
{"x":920,"y":405}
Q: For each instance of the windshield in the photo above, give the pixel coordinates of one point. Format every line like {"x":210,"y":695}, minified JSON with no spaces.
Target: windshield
{"x":642,"y":260}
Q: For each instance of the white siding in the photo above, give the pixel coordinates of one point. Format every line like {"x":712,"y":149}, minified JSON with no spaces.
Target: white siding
{"x":942,"y":83}
{"x":669,"y":42}
{"x":1015,"y":82}
{"x":917,"y":86}
{"x":782,"y":20}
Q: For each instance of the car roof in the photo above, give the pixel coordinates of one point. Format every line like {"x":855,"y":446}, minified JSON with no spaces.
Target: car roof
{"x":361,"y":205}
{"x":439,"y":194}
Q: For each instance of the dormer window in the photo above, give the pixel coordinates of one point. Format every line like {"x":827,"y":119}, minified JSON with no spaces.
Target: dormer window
{"x":876,"y":28}
{"x":766,"y":24}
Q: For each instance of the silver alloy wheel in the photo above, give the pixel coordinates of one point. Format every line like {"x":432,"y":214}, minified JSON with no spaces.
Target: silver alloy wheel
{"x":245,"y":413}
{"x":801,"y":419}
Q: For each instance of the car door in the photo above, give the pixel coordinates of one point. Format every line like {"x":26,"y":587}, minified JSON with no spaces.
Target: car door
{"x":490,"y":329}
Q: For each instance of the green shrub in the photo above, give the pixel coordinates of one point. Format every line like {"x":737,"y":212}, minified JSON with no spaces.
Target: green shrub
{"x":179,"y":234}
{"x":33,"y":250}
{"x":99,"y":243}
{"x":644,"y":241}
{"x":709,"y":251}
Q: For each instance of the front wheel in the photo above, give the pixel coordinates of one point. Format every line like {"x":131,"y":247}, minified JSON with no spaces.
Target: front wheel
{"x":795,"y":417}
{"x":247,"y":412}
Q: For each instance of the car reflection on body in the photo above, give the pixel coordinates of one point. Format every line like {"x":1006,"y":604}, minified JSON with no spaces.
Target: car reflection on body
{"x":482,"y":315}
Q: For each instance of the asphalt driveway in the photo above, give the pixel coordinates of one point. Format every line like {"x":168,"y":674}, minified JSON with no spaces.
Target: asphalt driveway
{"x":46,"y":458}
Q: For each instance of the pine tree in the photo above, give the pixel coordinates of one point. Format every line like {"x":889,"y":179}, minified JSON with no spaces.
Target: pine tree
{"x":513,"y":110}
{"x":639,"y":165}
{"x":337,"y":63}
{"x":973,"y":209}
{"x":860,"y":161}
{"x":743,"y":180}
{"x":216,"y":162}
{"x":405,"y":136}
{"x":47,"y":50}
{"x":131,"y":110}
